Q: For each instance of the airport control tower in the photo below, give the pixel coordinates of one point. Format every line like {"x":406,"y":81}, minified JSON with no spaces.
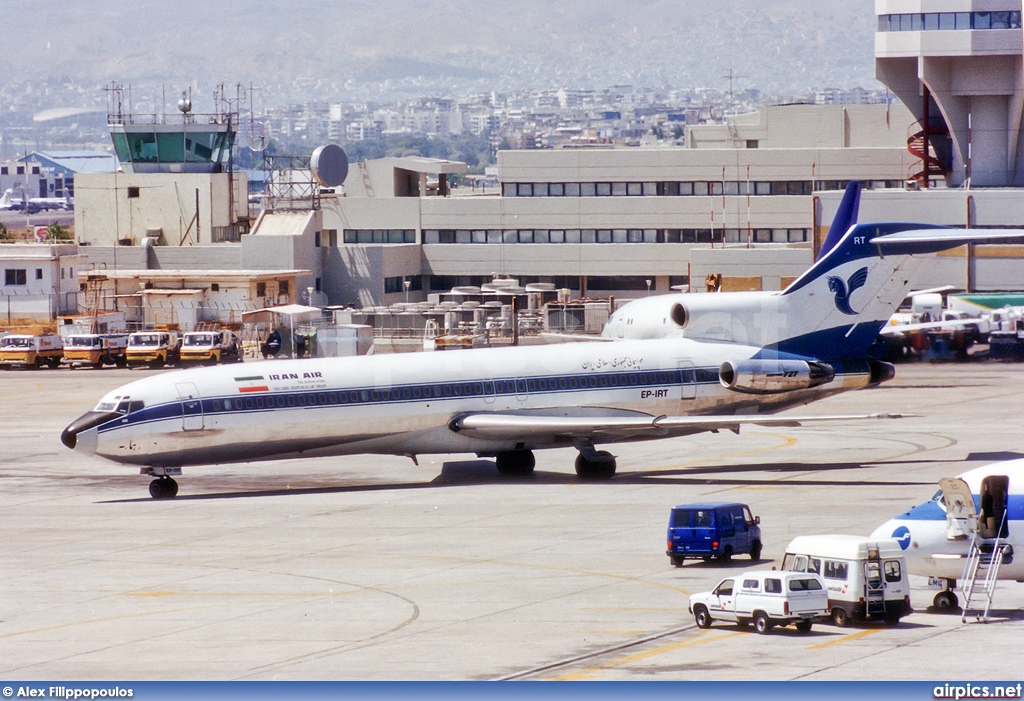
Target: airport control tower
{"x":957,"y":64}
{"x":175,"y":185}
{"x":186,"y":143}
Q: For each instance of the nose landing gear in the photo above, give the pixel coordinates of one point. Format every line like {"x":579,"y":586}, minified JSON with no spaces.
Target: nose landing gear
{"x":164,"y":486}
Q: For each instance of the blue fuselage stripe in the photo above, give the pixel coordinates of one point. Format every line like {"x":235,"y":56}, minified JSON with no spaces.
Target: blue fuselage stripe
{"x":258,"y":402}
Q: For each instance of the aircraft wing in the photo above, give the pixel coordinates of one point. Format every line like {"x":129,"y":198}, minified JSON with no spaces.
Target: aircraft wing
{"x":497,"y":426}
{"x":553,"y":337}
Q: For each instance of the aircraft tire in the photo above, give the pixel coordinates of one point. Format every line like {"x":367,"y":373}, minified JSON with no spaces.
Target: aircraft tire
{"x":946,"y":601}
{"x":603,"y":468}
{"x":515,"y":463}
{"x":163,"y":488}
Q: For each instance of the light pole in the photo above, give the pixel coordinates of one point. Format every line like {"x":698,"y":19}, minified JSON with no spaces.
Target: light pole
{"x":407,"y":283}
{"x":648,"y":281}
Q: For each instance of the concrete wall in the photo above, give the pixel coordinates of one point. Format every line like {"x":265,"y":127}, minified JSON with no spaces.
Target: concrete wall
{"x":222,"y":256}
{"x":678,"y":164}
{"x":291,"y":246}
{"x":770,"y":265}
{"x":104,"y":213}
{"x":354,"y":275}
{"x":809,"y":126}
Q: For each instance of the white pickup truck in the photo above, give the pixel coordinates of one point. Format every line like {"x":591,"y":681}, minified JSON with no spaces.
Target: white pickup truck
{"x":769,"y":598}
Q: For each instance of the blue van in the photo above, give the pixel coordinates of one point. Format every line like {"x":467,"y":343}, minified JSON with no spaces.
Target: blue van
{"x":713,"y":529}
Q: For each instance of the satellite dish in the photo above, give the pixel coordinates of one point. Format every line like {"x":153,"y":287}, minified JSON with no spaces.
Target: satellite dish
{"x":329,"y":165}
{"x":258,"y":137}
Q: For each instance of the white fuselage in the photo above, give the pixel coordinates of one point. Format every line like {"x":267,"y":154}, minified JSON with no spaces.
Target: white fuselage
{"x":922,"y":531}
{"x":403,"y":404}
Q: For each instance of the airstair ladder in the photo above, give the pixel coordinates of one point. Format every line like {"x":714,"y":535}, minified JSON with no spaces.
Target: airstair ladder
{"x":981,"y":573}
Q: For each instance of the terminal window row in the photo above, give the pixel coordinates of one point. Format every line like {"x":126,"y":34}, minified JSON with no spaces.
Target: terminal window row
{"x":492,"y":236}
{"x":682,"y":189}
{"x":928,"y":21}
{"x":380,"y":236}
{"x":397,"y":284}
{"x":444,"y":283}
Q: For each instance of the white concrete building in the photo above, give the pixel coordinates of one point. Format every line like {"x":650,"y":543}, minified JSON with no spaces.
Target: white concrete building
{"x":957,"y":64}
{"x":40,"y":281}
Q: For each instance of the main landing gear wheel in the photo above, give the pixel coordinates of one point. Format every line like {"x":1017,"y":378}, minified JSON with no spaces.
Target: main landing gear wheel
{"x":946,"y":601}
{"x":599,"y":466}
{"x":515,"y":463}
{"x":163,"y":488}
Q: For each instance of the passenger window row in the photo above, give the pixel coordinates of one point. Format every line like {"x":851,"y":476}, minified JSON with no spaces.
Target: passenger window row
{"x":466,"y":389}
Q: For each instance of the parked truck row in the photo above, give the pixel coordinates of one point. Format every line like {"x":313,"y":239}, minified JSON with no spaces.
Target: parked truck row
{"x":145,"y":348}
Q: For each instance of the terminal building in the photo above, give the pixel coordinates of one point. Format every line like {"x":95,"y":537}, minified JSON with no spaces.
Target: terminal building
{"x":749,"y":199}
{"x":599,"y":222}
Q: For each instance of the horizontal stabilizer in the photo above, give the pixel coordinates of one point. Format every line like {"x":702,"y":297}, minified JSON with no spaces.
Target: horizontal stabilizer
{"x":498,"y":426}
{"x":928,"y":239}
{"x":951,"y":324}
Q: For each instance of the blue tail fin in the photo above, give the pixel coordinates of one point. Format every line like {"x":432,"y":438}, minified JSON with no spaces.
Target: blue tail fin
{"x":846,"y":216}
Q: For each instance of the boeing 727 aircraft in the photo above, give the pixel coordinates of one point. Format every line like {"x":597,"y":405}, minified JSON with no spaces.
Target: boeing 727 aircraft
{"x":743,"y":360}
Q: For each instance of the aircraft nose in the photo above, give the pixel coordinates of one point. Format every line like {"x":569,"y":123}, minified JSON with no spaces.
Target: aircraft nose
{"x":90,"y":419}
{"x":69,"y":437}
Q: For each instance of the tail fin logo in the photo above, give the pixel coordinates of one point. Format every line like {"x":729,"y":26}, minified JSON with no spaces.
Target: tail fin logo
{"x":843,"y":290}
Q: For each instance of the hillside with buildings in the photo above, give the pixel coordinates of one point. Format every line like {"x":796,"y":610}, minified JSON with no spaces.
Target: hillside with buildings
{"x":296,"y":51}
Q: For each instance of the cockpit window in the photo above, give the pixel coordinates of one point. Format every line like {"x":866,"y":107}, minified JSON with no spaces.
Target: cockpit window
{"x":105,"y":406}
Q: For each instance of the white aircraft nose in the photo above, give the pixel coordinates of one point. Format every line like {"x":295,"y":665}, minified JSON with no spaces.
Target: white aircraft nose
{"x":81,"y":434}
